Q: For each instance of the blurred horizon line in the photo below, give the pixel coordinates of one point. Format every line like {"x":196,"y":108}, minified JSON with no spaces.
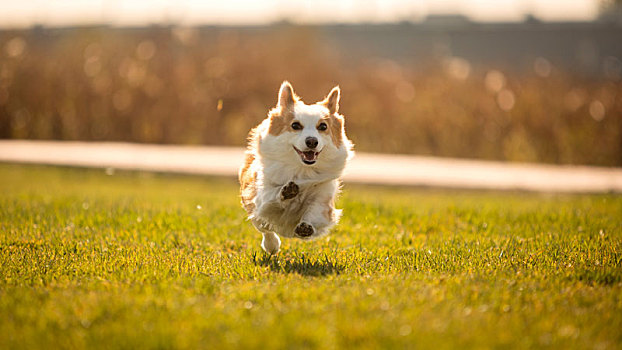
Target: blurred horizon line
{"x":440,"y":20}
{"x":265,"y":12}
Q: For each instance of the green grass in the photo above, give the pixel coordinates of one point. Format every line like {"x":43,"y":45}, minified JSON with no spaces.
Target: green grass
{"x":138,"y":260}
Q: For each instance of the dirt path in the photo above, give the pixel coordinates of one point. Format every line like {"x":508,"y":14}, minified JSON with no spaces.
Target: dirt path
{"x":365,"y":168}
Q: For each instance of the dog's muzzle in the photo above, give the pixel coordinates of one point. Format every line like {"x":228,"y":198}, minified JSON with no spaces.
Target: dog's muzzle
{"x":308,"y":157}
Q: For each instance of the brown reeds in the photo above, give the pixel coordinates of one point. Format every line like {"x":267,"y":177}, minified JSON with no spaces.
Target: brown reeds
{"x":210,"y":86}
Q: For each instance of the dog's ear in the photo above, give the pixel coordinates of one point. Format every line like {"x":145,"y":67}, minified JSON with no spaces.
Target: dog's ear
{"x":332,"y":100}
{"x":287,"y":97}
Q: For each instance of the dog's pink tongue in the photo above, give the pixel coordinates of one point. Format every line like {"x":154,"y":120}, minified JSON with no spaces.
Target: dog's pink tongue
{"x":309,"y":155}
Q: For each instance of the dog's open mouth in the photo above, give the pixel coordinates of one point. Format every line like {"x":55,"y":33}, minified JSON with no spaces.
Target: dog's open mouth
{"x":307,"y":157}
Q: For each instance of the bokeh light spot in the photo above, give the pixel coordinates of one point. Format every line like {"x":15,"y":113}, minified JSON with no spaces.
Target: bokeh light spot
{"x":506,"y":99}
{"x":574,"y":99}
{"x":92,"y":66}
{"x":404,"y":91}
{"x":597,"y":110}
{"x":145,"y":50}
{"x":542,"y":67}
{"x":458,"y":68}
{"x":494,"y":81}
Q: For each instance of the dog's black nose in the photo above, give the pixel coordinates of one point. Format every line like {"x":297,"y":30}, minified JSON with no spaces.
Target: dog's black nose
{"x":311,"y":142}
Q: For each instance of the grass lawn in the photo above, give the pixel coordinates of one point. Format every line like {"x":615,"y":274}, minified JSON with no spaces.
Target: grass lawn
{"x":132,"y":260}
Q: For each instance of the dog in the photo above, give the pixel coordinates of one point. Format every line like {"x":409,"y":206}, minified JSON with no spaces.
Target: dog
{"x":293,"y":164}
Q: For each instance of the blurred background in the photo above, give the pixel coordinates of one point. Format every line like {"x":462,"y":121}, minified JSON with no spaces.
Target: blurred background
{"x":516,"y":80}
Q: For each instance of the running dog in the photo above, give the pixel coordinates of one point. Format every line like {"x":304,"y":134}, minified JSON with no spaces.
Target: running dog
{"x":293,"y":163}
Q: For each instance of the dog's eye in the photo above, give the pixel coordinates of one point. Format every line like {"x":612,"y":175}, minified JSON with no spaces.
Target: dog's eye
{"x":322,"y":127}
{"x":296,"y":126}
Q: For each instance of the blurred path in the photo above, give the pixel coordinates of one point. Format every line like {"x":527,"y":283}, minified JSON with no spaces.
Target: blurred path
{"x":364,"y":168}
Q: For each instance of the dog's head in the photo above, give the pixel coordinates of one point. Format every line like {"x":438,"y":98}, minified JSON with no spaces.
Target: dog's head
{"x":307,"y":134}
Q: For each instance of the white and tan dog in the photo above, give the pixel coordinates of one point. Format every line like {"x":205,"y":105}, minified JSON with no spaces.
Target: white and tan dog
{"x":294,"y":159}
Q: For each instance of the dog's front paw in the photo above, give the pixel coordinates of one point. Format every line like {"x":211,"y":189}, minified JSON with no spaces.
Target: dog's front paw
{"x":304,"y":230}
{"x":289,"y":191}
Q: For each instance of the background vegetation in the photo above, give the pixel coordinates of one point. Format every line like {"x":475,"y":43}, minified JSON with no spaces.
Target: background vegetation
{"x":188,"y":86}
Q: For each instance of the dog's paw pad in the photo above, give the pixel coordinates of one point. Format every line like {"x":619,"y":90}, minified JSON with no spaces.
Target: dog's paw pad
{"x":304,"y":230}
{"x":289,"y":191}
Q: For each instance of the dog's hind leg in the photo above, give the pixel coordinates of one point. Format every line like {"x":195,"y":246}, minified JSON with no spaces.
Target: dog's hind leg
{"x":270,"y":241}
{"x":318,"y":218}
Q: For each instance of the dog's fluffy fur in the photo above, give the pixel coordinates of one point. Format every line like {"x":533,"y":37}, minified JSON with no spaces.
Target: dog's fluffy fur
{"x":294,"y":159}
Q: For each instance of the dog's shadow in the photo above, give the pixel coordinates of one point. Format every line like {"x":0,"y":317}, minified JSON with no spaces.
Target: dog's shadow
{"x":298,"y":264}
